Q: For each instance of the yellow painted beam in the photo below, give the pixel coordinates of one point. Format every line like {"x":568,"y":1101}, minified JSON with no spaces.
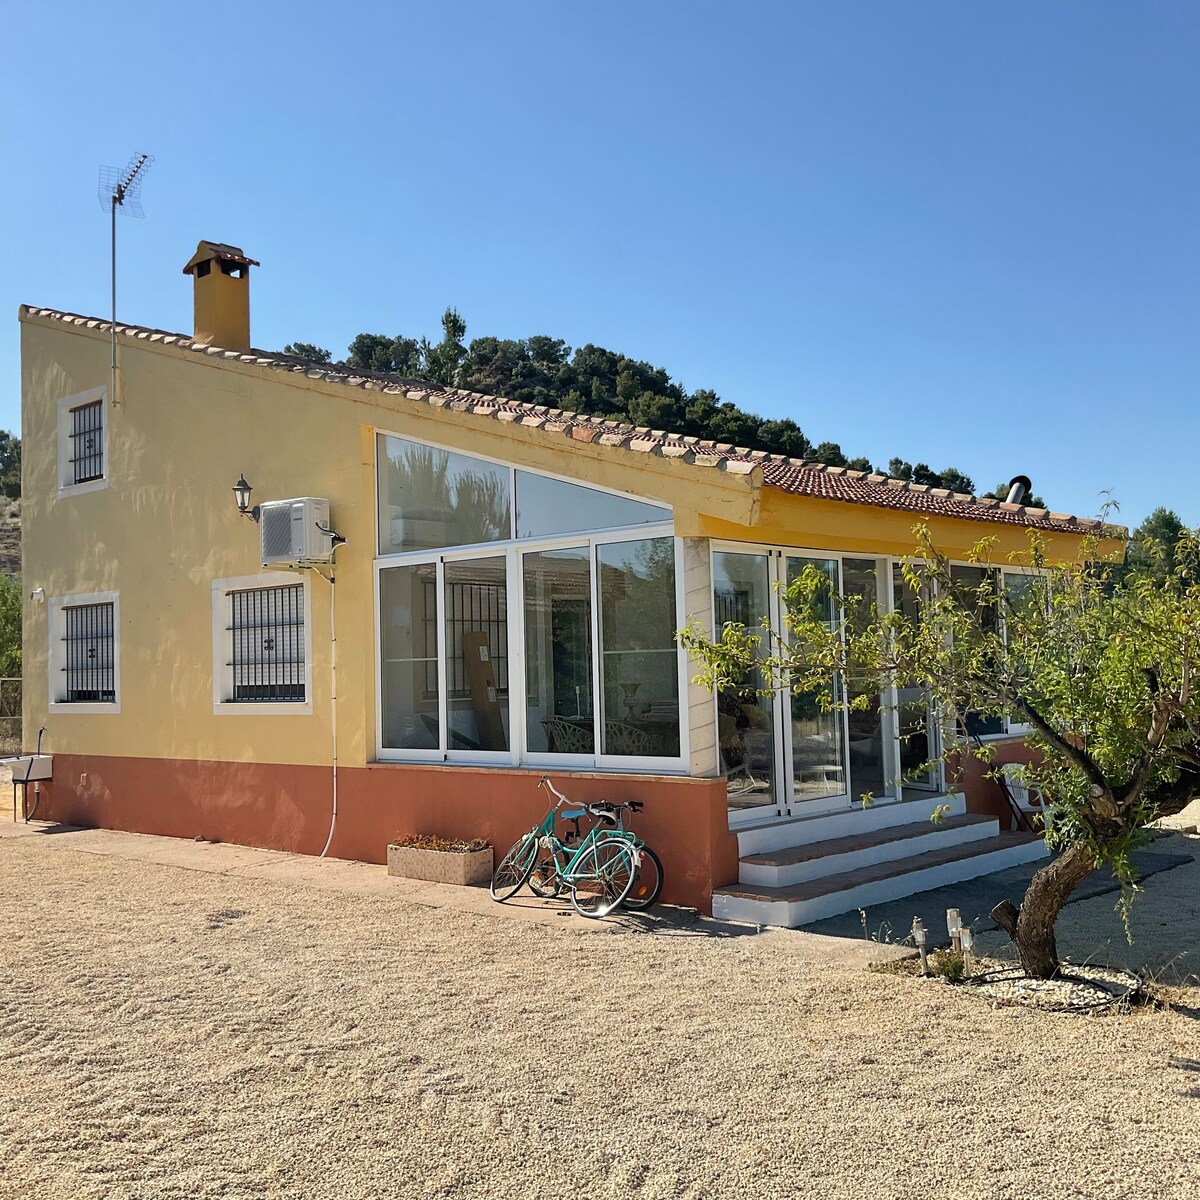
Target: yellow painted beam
{"x":814,"y":523}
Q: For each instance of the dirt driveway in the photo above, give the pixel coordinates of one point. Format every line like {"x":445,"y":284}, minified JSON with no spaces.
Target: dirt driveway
{"x":169,"y":1032}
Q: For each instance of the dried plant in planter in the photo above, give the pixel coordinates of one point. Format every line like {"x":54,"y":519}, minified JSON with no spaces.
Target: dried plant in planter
{"x":430,"y":841}
{"x":441,"y":860}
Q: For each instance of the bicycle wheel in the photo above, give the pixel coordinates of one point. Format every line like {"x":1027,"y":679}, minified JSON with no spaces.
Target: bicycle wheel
{"x":514,"y":869}
{"x":647,"y":882}
{"x":606,"y":875}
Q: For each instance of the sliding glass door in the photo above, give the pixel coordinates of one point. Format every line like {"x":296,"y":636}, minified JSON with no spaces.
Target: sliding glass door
{"x":919,"y":740}
{"x":794,"y":754}
{"x":747,"y":738}
{"x":476,"y":653}
{"x":559,"y":717}
{"x":816,"y":733}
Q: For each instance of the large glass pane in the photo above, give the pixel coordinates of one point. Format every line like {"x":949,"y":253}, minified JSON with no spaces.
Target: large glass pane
{"x":976,"y":588}
{"x":870,"y":732}
{"x":408,"y":639}
{"x":430,"y":498}
{"x":745,"y":719}
{"x":549,"y":506}
{"x":558,"y":652}
{"x":639,"y":657}
{"x":476,"y":607}
{"x":913,"y":704}
{"x":1026,"y":595}
{"x":818,"y":753}
{"x":1020,"y":589}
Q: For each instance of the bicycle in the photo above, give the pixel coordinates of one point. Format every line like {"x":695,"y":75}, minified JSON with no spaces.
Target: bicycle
{"x":544,"y":879}
{"x":599,"y":873}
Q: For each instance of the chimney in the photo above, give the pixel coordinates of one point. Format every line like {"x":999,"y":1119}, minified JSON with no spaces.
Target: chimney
{"x":1019,"y":487}
{"x":221,"y":288}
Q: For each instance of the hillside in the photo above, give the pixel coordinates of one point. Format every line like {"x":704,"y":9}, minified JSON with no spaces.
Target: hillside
{"x":10,"y":538}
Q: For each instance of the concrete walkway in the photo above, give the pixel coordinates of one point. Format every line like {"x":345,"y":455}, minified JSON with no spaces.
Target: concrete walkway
{"x":975,"y":898}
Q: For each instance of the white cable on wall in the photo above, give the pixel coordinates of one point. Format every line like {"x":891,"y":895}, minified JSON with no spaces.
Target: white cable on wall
{"x":333,"y":693}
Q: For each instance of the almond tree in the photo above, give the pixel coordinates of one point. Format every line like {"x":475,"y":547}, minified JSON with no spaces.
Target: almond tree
{"x":1101,"y":671}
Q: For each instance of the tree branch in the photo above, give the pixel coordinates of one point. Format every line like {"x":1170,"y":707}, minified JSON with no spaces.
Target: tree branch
{"x":1080,"y":758}
{"x":1161,"y":707}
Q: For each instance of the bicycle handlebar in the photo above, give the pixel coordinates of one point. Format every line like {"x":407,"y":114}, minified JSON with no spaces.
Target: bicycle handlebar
{"x":602,"y":808}
{"x":545,"y":782}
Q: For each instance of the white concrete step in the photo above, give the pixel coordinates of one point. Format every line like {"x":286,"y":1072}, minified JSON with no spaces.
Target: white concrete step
{"x":817,"y":860}
{"x":815,"y":899}
{"x":799,"y":831}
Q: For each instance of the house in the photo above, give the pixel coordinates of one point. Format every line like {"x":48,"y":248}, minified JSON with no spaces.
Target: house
{"x":502,"y":602}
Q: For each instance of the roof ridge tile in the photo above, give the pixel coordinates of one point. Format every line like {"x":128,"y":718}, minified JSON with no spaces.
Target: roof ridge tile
{"x":797,"y":475}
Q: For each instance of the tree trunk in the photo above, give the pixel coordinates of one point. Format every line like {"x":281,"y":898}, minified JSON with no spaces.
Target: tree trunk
{"x":1031,"y":927}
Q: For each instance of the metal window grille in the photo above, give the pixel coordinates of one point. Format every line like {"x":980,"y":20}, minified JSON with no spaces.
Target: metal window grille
{"x":470,"y":608}
{"x":732,"y":605}
{"x":476,"y":608}
{"x":88,"y":634}
{"x":267,"y":628}
{"x":87,"y":442}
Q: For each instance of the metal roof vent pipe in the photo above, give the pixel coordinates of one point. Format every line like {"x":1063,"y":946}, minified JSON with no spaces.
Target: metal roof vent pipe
{"x":1019,"y":488}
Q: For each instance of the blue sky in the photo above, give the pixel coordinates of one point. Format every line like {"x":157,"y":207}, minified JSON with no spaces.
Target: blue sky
{"x":960,"y":233}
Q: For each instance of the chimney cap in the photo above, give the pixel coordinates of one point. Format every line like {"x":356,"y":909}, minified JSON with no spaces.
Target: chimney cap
{"x":1019,"y":489}
{"x":207,"y":251}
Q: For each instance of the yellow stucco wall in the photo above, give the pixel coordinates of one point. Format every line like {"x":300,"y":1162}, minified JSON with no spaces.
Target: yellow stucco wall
{"x":165,"y":527}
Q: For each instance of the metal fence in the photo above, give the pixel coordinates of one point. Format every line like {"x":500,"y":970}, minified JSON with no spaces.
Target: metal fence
{"x":10,"y":716}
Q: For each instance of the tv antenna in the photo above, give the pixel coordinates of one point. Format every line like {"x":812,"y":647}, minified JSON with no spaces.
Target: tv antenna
{"x":121,"y":189}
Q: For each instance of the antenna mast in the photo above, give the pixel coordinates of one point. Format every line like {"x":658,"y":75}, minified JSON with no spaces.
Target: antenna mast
{"x":121,"y":189}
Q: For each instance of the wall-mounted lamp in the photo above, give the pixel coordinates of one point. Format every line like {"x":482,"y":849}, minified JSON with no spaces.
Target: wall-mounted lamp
{"x":38,"y":595}
{"x":241,"y":494}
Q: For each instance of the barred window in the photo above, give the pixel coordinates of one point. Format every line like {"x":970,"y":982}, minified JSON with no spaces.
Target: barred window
{"x":267,"y":635}
{"x":82,"y":441}
{"x":88,"y":659}
{"x":87,"y":442}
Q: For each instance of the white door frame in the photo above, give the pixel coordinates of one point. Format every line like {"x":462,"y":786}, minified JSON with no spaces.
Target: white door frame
{"x":783,"y":804}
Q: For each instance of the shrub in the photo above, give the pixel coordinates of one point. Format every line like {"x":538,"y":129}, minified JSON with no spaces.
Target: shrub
{"x":948,"y":965}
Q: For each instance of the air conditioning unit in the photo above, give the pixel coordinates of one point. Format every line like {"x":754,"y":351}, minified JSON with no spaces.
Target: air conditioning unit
{"x":295,"y":532}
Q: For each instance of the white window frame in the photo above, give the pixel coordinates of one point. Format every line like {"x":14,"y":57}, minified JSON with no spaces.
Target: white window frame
{"x":66,"y":405}
{"x":1013,"y":730}
{"x":511,"y":550}
{"x":516,"y":755}
{"x":787,"y":805}
{"x":222,"y":640}
{"x":58,"y":652}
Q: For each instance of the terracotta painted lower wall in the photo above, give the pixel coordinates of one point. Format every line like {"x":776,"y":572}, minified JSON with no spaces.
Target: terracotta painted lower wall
{"x":284,"y":807}
{"x":983,"y":795}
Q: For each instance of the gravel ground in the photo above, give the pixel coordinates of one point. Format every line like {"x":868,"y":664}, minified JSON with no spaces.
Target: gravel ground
{"x":170,"y":1033}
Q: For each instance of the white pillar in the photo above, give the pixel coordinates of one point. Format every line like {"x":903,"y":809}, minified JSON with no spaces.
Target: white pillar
{"x":703,"y":759}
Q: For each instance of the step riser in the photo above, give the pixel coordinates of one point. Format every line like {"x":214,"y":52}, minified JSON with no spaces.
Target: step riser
{"x":793,"y":914}
{"x":854,"y":860}
{"x":844,"y":824}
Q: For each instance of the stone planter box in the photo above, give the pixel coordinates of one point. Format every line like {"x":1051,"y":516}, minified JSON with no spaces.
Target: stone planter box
{"x":469,"y":868}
